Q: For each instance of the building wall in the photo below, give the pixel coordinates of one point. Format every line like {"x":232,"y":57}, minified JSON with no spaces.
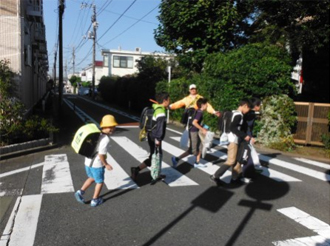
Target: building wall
{"x":22,"y":41}
{"x":112,"y":69}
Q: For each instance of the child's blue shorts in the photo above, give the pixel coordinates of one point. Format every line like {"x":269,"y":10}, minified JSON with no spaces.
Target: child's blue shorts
{"x":95,"y":173}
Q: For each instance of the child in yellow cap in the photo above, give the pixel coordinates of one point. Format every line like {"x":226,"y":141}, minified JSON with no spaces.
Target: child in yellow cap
{"x":95,"y":167}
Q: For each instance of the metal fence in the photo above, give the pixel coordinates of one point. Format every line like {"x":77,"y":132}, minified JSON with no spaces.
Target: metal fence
{"x":312,"y":122}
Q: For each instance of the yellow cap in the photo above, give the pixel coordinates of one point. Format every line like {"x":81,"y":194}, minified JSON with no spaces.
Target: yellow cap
{"x":108,"y":121}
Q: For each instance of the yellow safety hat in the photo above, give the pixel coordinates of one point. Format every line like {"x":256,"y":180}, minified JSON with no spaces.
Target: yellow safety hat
{"x":108,"y":121}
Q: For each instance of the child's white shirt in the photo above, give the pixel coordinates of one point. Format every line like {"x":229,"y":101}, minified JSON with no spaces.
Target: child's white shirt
{"x":102,"y":150}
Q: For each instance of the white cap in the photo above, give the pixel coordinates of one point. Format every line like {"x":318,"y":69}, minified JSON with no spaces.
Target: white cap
{"x":192,"y":86}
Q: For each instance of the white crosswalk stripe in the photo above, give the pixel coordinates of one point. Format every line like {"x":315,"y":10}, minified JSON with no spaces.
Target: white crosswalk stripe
{"x":173,"y":177}
{"x":117,"y":178}
{"x":56,"y":176}
{"x":211,"y":169}
{"x":26,"y":215}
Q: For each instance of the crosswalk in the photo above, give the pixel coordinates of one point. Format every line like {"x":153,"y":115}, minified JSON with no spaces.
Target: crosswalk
{"x":57,"y":178}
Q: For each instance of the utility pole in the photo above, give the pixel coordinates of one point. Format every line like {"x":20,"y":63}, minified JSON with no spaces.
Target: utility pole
{"x":54,"y":67}
{"x":92,"y":35}
{"x":60,"y":41}
{"x":95,"y":24}
{"x":73,"y":59}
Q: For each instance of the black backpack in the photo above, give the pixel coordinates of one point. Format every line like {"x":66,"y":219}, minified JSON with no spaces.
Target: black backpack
{"x":225,"y":120}
{"x":146,"y":119}
{"x":188,"y":116}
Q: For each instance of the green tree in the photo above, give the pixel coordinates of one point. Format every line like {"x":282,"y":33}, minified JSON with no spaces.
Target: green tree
{"x":195,"y":28}
{"x":256,"y":69}
{"x":74,"y":80}
{"x":305,"y":24}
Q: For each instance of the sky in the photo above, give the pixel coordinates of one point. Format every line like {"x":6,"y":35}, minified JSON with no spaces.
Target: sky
{"x":128,"y":24}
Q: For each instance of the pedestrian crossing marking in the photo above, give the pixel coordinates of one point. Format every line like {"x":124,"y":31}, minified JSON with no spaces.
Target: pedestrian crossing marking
{"x":24,"y":217}
{"x":211,"y":169}
{"x":173,"y":177}
{"x":117,"y":178}
{"x":56,"y":176}
{"x":314,"y":163}
{"x":310,"y":222}
{"x":306,"y":171}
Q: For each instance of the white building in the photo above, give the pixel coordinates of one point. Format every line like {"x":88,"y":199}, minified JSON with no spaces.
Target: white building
{"x":87,"y":73}
{"x":121,"y":62}
{"x":23,"y":43}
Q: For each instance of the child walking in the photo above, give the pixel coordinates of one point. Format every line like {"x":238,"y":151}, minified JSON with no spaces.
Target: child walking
{"x":95,"y":167}
{"x":195,"y":143}
{"x":156,"y":135}
{"x":234,"y":137}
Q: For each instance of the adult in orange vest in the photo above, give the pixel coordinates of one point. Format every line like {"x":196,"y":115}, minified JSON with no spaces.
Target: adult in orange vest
{"x":190,"y":101}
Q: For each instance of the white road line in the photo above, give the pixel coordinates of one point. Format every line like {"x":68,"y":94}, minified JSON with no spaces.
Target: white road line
{"x":310,"y":222}
{"x":112,"y":109}
{"x":314,"y":163}
{"x":2,"y":175}
{"x":180,"y":133}
{"x":117,"y":178}
{"x":56,"y":176}
{"x":307,"y":171}
{"x":21,"y":230}
{"x":211,"y":169}
{"x":9,"y":226}
{"x":173,"y":177}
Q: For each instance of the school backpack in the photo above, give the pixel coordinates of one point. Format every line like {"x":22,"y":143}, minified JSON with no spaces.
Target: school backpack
{"x":85,"y":140}
{"x":188,"y":116}
{"x":146,"y":119}
{"x":224,"y":121}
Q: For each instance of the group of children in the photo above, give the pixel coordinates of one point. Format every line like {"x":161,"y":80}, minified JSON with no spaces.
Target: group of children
{"x":95,"y":168}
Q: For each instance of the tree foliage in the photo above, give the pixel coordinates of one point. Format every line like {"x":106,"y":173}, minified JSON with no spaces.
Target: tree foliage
{"x":258,"y":70}
{"x":195,"y":28}
{"x":134,"y":91}
{"x":305,"y":24}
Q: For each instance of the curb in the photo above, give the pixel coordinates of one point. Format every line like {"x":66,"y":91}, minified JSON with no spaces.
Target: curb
{"x":16,"y":150}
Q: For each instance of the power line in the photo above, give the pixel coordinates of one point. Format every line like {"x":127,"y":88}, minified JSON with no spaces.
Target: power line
{"x":117,"y":19}
{"x":132,"y":25}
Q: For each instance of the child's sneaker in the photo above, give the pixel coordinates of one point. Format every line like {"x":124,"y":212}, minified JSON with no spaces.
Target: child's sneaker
{"x":96,"y":202}
{"x":79,"y":196}
{"x":199,"y":165}
{"x":174,"y":162}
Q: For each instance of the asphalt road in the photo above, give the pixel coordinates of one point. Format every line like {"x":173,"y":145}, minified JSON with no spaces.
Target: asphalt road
{"x":288,"y":204}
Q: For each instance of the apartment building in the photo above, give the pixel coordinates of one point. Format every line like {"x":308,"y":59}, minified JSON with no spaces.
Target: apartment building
{"x":23,"y":43}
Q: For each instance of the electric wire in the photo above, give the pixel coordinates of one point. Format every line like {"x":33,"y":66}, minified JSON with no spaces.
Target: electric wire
{"x":117,"y":20}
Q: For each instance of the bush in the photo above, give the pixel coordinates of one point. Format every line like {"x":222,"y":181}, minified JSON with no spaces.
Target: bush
{"x":278,"y":118}
{"x":256,"y":69}
{"x":326,"y":140}
{"x":14,"y":127}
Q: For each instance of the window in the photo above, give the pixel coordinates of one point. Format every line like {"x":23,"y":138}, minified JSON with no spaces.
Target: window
{"x":123,"y":61}
{"x":105,"y":61}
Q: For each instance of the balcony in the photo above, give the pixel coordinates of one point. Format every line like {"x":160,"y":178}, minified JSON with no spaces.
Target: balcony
{"x":33,"y":12}
{"x":40,"y":33}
